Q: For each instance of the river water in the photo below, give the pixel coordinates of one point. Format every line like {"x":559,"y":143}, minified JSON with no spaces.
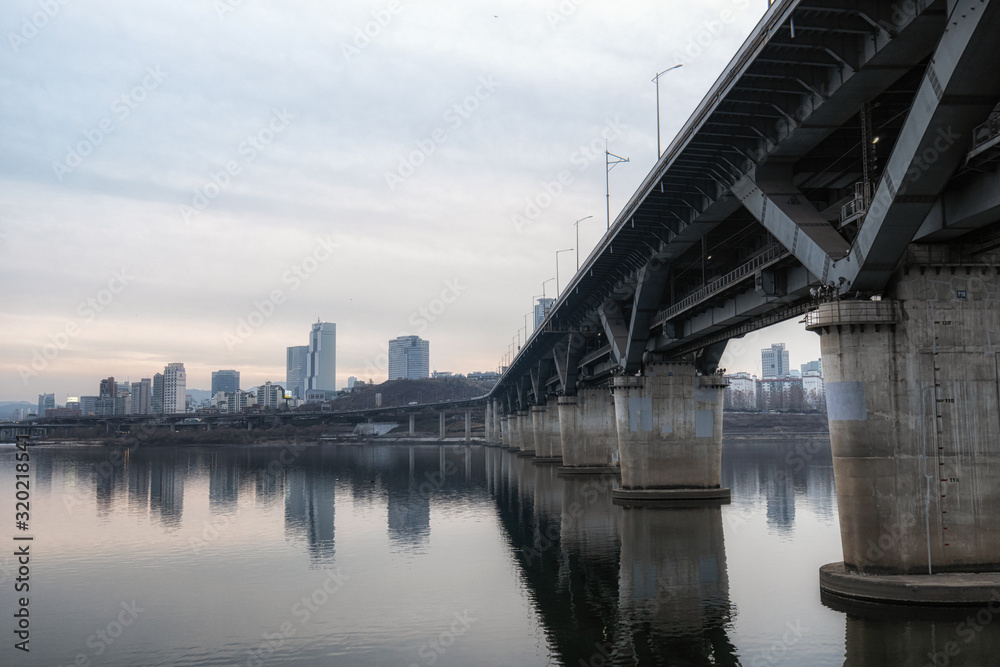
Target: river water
{"x":436,"y":555}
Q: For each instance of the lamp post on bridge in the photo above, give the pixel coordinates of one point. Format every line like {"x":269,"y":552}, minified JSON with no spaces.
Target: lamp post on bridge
{"x":557,"y":268}
{"x":577,"y":225}
{"x":610,"y":164}
{"x":656,"y":80}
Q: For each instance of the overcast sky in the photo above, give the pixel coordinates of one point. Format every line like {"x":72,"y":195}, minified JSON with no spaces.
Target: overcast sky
{"x":200,"y":181}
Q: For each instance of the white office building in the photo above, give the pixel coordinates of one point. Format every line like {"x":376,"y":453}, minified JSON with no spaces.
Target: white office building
{"x":409,"y":358}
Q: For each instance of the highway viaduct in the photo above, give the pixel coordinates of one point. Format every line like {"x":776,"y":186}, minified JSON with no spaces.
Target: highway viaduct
{"x":844,"y":168}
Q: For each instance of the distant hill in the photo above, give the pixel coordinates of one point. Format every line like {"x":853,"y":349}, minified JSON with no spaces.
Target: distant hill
{"x":7,"y":408}
{"x":402,"y":392}
{"x":199,"y":395}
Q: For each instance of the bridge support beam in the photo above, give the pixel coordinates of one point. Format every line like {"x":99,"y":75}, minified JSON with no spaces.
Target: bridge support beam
{"x":497,"y":427}
{"x":441,"y":425}
{"x":669,"y":424}
{"x":413,"y":425}
{"x":468,"y":425}
{"x":912,"y":398}
{"x":514,"y":422}
{"x":548,"y":448}
{"x":587,"y":431}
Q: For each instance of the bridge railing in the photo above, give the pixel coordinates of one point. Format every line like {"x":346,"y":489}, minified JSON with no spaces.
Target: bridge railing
{"x":986,"y":132}
{"x":772,"y":253}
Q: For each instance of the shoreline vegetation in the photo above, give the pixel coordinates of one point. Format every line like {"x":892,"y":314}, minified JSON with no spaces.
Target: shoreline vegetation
{"x":737,"y":426}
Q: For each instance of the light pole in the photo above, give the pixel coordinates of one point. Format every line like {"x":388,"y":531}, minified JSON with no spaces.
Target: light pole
{"x":656,"y":80}
{"x":534,"y":305}
{"x":610,"y":164}
{"x":543,"y":292}
{"x":557,"y":268}
{"x":577,"y":225}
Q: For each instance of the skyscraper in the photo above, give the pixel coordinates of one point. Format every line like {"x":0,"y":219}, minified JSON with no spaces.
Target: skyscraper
{"x":225,"y":381}
{"x":157,"y":394}
{"x":45,"y":402}
{"x":542,"y":308}
{"x":142,"y":397}
{"x":296,"y":360}
{"x":108,"y":388}
{"x":174,"y":388}
{"x":774,"y":361}
{"x":321,"y":358}
{"x":409,"y":358}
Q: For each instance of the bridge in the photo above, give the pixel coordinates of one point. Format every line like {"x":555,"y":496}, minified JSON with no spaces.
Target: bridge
{"x":843,"y":167}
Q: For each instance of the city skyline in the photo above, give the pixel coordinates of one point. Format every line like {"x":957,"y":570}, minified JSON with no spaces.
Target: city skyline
{"x":146,"y":190}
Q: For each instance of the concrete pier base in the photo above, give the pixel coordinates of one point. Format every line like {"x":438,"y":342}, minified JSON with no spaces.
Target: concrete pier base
{"x":669,"y":424}
{"x":587,"y":432}
{"x":952,"y":589}
{"x":912,"y":399}
{"x":505,"y":431}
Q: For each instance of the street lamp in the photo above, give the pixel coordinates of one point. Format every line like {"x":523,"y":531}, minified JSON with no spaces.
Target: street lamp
{"x":577,"y":225}
{"x":610,"y":164}
{"x":656,"y":80}
{"x":557,"y":268}
{"x":543,"y":292}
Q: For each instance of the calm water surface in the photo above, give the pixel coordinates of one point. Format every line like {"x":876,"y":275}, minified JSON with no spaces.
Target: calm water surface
{"x":436,"y":555}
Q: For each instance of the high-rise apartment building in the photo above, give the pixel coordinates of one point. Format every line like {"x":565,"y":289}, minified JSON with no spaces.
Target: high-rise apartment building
{"x":774,"y":361}
{"x":409,"y":358}
{"x":321,"y":358}
{"x":108,"y":388}
{"x":296,"y":359}
{"x":174,"y":388}
{"x":270,"y":396}
{"x":142,"y":397}
{"x":157,"y":394}
{"x":225,"y":381}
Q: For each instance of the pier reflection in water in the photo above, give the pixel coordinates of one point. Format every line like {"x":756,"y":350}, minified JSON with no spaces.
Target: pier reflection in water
{"x":220,"y":543}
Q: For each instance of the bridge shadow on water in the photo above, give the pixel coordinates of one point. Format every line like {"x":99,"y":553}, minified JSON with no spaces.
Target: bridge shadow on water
{"x":615,"y":585}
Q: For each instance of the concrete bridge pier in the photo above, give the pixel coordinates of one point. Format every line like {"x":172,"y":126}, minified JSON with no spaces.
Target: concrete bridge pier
{"x":514,"y":423}
{"x":413,"y":425}
{"x":497,"y":429}
{"x":669,"y":424}
{"x":441,"y":425}
{"x":505,"y":431}
{"x":912,"y":400}
{"x":548,"y":447}
{"x":526,"y":429}
{"x":488,"y":423}
{"x":587,"y":432}
{"x":468,"y":425}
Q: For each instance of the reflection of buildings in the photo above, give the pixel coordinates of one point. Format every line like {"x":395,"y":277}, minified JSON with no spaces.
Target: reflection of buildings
{"x":166,"y":487}
{"x":409,"y":485}
{"x":309,"y":505}
{"x":223,"y":481}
